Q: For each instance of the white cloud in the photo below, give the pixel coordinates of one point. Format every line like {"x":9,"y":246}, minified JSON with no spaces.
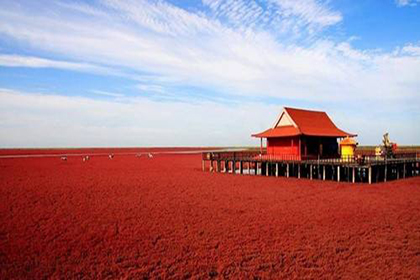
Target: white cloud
{"x":36,"y":62}
{"x":310,"y":11}
{"x":275,"y":13}
{"x":402,"y":3}
{"x":411,"y":50}
{"x":107,"y":93}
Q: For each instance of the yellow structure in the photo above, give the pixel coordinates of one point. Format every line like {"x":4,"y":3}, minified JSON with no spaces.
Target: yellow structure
{"x":347,"y":148}
{"x":378,"y":152}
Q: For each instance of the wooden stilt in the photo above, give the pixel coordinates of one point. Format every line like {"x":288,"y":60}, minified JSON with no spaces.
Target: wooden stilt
{"x":353,"y":175}
{"x":385,"y":172}
{"x":404,"y":170}
{"x":241,"y":167}
{"x":203,"y":165}
{"x":287,"y":170}
{"x":323,"y":172}
{"x":310,"y":171}
{"x":267,"y":168}
{"x":398,"y":171}
{"x":234,"y":167}
{"x":277,"y":169}
{"x":218,"y":166}
{"x":211,"y":166}
{"x":370,"y":175}
{"x":298,"y":171}
{"x":338,"y":173}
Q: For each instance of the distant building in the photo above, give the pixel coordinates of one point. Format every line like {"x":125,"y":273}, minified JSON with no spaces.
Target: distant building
{"x":303,"y":134}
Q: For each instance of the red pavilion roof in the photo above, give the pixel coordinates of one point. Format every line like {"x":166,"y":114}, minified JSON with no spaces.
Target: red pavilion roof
{"x":304,"y":122}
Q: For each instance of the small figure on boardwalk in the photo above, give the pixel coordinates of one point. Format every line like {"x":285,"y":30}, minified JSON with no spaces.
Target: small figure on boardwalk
{"x":389,"y":147}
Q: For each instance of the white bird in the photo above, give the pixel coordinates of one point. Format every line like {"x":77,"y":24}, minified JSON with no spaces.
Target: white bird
{"x":138,"y":155}
{"x":64,"y":158}
{"x":86,"y":158}
{"x":111,"y":156}
{"x":150,"y":155}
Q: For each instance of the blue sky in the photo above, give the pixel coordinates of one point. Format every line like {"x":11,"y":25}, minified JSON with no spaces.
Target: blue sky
{"x":200,"y":73}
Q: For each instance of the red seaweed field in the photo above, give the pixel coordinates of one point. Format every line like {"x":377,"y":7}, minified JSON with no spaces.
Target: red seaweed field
{"x":162,"y":217}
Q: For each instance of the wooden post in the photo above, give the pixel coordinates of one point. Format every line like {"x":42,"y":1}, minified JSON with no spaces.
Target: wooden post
{"x":234,"y":167}
{"x":226,"y":166}
{"x":287,"y":170}
{"x":385,"y":171}
{"x":353,"y":175}
{"x":249,"y":168}
{"x":277,"y":169}
{"x":241,"y":167}
{"x":298,"y":171}
{"x":370,"y":175}
{"x":267,"y":169}
{"x":404,"y":170}
{"x":203,"y":165}
{"x":218,"y":166}
{"x":310,"y":170}
{"x":398,"y":171}
{"x":211,"y":166}
{"x":323,"y":172}
{"x":338,"y":173}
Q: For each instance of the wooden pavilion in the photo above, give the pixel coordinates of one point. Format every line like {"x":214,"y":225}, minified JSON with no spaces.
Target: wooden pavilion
{"x":301,"y":134}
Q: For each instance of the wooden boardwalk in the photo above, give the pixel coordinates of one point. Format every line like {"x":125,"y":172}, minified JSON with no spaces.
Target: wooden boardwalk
{"x":369,"y":169}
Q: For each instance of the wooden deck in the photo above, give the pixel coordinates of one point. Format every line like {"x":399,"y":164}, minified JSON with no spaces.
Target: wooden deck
{"x":363,"y":169}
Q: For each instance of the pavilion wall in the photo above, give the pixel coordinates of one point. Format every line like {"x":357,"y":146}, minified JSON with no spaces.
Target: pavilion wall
{"x":288,"y":146}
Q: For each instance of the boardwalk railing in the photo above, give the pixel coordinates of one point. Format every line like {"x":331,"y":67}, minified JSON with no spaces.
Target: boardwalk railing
{"x":360,"y":168}
{"x":359,"y":159}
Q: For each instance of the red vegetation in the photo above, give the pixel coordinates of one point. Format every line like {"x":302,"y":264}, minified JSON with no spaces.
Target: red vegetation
{"x":163,"y":217}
